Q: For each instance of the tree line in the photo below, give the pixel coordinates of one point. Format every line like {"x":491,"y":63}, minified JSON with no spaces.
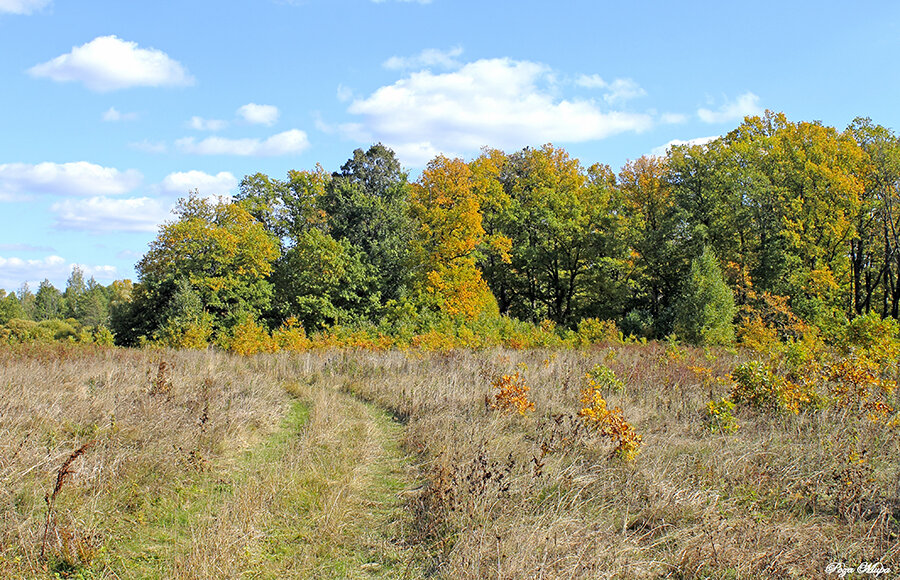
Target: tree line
{"x":774,"y":225}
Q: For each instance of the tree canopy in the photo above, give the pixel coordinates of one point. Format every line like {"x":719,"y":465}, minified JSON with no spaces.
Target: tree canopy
{"x":776,"y":220}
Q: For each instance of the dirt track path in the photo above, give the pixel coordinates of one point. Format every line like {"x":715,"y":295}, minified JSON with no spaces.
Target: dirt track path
{"x":322,"y":499}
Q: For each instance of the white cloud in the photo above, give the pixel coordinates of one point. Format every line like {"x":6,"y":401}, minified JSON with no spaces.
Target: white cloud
{"x":617,"y":92}
{"x":103,"y":214}
{"x":428,"y":58}
{"x":79,"y":178}
{"x":746,"y":104}
{"x":622,"y":90}
{"x":113,"y":115}
{"x":259,"y":114}
{"x":201,"y":124}
{"x":286,"y":143}
{"x":344,"y":94}
{"x":181,"y":183}
{"x":14,"y":271}
{"x":22,"y":6}
{"x":419,"y":154}
{"x":500,"y":102}
{"x":108,"y":63}
{"x":591,"y":82}
{"x":663,"y":149}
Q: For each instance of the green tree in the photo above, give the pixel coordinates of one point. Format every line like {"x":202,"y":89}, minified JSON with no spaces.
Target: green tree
{"x":705,"y":309}
{"x":321,"y":281}
{"x":555,"y":231}
{"x":10,"y":307}
{"x":875,"y":248}
{"x":286,"y":208}
{"x":657,"y":262}
{"x":48,"y":302}
{"x":26,"y":300}
{"x":74,"y":293}
{"x":367,"y":204}
{"x":94,"y":310}
{"x":223,"y":252}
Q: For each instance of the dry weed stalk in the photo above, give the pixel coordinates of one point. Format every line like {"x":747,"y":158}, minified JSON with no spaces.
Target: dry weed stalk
{"x":64,"y":471}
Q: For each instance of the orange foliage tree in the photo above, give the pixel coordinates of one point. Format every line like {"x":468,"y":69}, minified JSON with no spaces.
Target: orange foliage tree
{"x":448,"y":238}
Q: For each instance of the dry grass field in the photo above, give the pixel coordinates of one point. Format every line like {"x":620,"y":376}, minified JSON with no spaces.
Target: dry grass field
{"x":120,"y":463}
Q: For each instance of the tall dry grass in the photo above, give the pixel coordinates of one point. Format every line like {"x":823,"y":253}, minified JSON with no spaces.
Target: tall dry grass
{"x":202,"y":465}
{"x":542,"y":496}
{"x":158,"y":418}
{"x":202,"y":468}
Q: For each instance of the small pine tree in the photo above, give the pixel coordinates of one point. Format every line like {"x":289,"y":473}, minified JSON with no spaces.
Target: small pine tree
{"x":705,"y":309}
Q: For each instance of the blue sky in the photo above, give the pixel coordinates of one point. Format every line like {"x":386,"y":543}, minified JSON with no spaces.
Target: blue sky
{"x":110,"y":111}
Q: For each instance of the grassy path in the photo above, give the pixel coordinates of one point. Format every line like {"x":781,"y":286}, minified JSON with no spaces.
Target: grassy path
{"x":320,"y":499}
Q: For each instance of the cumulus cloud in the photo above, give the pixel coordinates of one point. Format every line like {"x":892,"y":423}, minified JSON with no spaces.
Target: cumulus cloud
{"x":201,"y":124}
{"x":14,"y":271}
{"x":428,"y":58}
{"x":180,"y":183}
{"x":259,"y":114}
{"x":104,"y":214}
{"x":22,"y":6}
{"x":617,"y":92}
{"x":663,"y":149}
{"x":79,"y":178}
{"x":286,"y":143}
{"x":591,"y":82}
{"x":108,"y":63}
{"x":744,"y":105}
{"x":113,"y":115}
{"x":498,"y":102}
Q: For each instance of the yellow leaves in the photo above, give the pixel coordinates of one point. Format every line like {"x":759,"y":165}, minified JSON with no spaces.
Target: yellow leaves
{"x":647,"y":196}
{"x":821,"y":282}
{"x":291,"y":337}
{"x":608,"y":422}
{"x":502,"y":245}
{"x":451,"y":230}
{"x":719,"y":416}
{"x":211,"y":239}
{"x":857,"y":385}
{"x":249,"y":338}
{"x":758,"y":386}
{"x":511,"y":395}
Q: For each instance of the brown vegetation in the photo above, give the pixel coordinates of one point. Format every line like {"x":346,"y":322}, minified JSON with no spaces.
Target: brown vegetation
{"x":289,"y":465}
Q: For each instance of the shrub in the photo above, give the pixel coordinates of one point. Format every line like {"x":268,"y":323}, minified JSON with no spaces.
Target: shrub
{"x":719,"y":417}
{"x":511,"y":395}
{"x":601,"y":377}
{"x":876,"y":337}
{"x":291,"y":336}
{"x":857,"y":385}
{"x":594,"y":330}
{"x":609,"y":422}
{"x":756,"y":385}
{"x":249,"y":338}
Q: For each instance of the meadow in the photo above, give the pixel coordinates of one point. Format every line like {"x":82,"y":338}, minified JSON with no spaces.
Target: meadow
{"x":350,"y":463}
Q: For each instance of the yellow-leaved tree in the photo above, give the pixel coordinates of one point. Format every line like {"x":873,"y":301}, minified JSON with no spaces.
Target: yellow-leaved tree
{"x":209,"y":267}
{"x":450,"y":231}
